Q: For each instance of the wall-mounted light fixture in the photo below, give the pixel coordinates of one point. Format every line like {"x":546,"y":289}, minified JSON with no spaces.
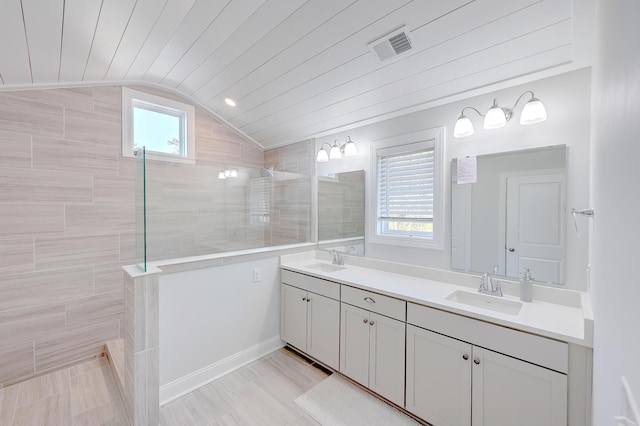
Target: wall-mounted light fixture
{"x":533,"y":112}
{"x":348,"y":149}
{"x":228,"y":173}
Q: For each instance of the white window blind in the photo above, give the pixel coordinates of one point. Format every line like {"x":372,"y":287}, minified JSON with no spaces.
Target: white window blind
{"x":406,"y":189}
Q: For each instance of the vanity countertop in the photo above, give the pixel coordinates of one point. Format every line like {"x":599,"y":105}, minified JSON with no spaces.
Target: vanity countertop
{"x":568,"y":319}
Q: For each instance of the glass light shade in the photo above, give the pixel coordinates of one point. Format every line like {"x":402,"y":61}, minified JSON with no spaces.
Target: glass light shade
{"x":495,"y":118}
{"x":227,"y":173}
{"x":350,"y":149}
{"x":221,"y":175}
{"x":322,"y":156}
{"x":234,"y":173}
{"x":335,"y":153}
{"x":463,"y":127}
{"x":533,"y":112}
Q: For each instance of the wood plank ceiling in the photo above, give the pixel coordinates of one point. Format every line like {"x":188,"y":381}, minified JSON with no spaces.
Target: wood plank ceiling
{"x":296,"y":68}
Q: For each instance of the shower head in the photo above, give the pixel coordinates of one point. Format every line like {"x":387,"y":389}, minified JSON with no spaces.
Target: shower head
{"x":267,"y":172}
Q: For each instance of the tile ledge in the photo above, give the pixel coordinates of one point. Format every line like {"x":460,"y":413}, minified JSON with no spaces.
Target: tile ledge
{"x":196,"y":262}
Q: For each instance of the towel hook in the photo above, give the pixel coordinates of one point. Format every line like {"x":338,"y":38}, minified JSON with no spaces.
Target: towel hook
{"x":582,"y":212}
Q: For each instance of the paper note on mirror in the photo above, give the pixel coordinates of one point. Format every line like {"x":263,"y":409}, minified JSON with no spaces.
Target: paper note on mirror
{"x":467,"y":170}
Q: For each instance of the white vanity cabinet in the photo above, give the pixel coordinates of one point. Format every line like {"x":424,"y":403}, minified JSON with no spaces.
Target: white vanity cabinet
{"x":372,"y":342}
{"x":310,"y":316}
{"x":455,"y":381}
{"x":438,"y":377}
{"x":527,"y":394}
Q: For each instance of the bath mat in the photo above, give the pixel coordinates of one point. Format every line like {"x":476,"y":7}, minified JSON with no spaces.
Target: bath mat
{"x":335,"y":402}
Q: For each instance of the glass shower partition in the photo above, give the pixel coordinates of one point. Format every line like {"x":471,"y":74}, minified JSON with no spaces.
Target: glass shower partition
{"x":141,"y":208}
{"x":186,"y":210}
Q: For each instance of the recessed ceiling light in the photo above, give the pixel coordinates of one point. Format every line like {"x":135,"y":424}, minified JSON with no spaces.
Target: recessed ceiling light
{"x":229,"y":101}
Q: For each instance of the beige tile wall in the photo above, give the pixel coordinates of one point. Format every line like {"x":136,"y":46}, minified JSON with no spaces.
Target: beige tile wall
{"x":67,"y":219}
{"x":191,"y":212}
{"x":290,"y":220}
{"x":141,"y":348}
{"x":341,"y":206}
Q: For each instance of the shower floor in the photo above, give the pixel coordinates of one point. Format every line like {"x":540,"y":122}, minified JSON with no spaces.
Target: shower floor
{"x":84,"y":394}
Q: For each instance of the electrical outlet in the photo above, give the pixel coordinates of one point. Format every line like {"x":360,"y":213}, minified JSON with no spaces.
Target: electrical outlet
{"x":257,"y":275}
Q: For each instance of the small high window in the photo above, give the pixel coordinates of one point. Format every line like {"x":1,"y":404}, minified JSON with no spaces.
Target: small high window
{"x":166,"y":128}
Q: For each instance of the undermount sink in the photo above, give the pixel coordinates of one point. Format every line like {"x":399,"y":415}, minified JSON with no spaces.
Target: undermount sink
{"x":325,"y":267}
{"x":492,"y":303}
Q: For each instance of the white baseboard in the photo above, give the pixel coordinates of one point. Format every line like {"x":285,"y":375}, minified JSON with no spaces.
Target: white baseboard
{"x":192,"y":381}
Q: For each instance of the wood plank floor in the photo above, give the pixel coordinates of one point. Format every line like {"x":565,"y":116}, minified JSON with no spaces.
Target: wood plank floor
{"x":260,"y":393}
{"x":81,"y":395}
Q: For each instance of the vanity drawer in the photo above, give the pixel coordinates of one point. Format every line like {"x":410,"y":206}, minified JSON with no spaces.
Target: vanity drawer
{"x":532,"y":348}
{"x":378,"y":303}
{"x":312,"y":284}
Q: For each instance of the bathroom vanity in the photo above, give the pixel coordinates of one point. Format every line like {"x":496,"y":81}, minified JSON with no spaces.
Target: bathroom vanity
{"x":425,"y":340}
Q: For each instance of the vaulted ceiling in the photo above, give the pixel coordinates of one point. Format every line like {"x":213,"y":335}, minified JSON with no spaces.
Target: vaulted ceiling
{"x":297,"y":68}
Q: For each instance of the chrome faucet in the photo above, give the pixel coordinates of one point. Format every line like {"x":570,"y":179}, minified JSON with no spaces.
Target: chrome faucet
{"x":487,"y":286}
{"x":337,"y":258}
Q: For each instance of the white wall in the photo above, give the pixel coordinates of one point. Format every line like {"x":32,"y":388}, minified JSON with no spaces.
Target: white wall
{"x":567,"y":99}
{"x":208,"y":315}
{"x":614,"y":253}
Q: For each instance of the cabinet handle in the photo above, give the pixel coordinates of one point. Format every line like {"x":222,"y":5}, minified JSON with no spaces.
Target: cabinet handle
{"x":308,"y":300}
{"x":365,"y":320}
{"x":370,"y":322}
{"x":304,"y":299}
{"x":369,"y":300}
{"x":476,"y":361}
{"x":465,"y":357}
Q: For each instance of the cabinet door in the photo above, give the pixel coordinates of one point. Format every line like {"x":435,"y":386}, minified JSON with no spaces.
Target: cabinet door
{"x":323,"y":329}
{"x":386,"y":357}
{"x":508,"y":391}
{"x":438,"y":378}
{"x":354,"y":343}
{"x":293,"y":316}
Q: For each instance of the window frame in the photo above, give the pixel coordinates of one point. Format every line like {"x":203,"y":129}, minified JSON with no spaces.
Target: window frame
{"x":433,"y":137}
{"x":158,"y":104}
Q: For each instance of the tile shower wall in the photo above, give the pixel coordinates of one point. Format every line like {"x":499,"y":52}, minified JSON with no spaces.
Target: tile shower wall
{"x":341,"y":206}
{"x":290,"y":216}
{"x":67,"y":221}
{"x":191,"y":212}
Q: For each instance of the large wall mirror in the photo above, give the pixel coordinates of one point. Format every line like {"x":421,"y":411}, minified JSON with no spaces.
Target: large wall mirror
{"x":513,"y":217}
{"x":341,"y":212}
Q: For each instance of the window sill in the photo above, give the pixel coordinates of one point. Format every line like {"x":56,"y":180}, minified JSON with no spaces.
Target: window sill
{"x":166,"y":158}
{"x":416,"y":242}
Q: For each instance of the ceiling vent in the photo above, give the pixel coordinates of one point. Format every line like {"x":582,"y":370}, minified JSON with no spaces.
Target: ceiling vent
{"x":392,"y":45}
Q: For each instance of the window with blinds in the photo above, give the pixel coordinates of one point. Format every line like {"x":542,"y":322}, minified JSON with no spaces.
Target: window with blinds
{"x":405,"y":177}
{"x":259,"y":200}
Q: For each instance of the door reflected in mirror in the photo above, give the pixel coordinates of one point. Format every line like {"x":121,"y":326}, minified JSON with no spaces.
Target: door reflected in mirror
{"x":513,"y":216}
{"x":341,"y":212}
